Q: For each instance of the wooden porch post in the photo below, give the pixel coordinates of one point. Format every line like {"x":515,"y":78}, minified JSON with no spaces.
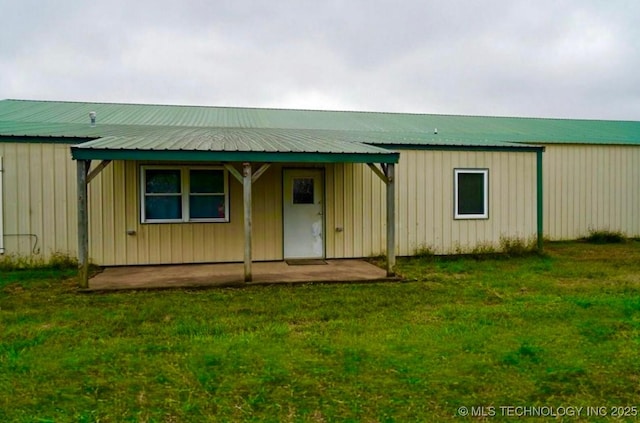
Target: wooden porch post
{"x":391,"y":219}
{"x":246,"y":184}
{"x":83,"y":224}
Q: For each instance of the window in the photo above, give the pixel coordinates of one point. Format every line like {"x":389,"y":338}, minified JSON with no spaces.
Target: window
{"x":471,"y":193}
{"x":303,"y":191}
{"x":184,"y":194}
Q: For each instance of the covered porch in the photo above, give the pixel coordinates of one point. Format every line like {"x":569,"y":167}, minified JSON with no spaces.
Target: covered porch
{"x":246,"y":155}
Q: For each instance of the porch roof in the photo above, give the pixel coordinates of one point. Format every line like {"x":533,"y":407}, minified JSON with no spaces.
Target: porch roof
{"x":237,"y":144}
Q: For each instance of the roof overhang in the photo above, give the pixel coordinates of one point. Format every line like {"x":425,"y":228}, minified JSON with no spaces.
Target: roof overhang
{"x":235,"y":146}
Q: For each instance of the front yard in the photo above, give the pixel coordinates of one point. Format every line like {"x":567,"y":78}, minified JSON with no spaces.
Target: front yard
{"x":560,"y":330}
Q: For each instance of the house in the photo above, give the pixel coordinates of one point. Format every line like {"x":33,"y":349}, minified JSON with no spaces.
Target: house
{"x":130,"y":184}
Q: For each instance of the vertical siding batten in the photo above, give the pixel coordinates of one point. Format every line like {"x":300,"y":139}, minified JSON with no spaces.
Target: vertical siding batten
{"x":39,"y":182}
{"x":599,"y":190}
{"x":608,"y":196}
{"x":512,"y":191}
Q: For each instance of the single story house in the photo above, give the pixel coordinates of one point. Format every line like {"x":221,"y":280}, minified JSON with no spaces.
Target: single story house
{"x":134,"y":184}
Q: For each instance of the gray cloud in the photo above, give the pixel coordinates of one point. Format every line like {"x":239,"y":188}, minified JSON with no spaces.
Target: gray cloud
{"x":549,"y":58}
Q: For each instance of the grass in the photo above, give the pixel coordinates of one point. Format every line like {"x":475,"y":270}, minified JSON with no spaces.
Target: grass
{"x":560,"y":329}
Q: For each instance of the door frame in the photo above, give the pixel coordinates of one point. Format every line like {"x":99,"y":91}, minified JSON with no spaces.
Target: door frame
{"x":323,"y":178}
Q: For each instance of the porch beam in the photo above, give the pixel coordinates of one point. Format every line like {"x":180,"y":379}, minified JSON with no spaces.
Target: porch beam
{"x":83,"y":223}
{"x":378,"y":172}
{"x":391,"y":219}
{"x":246,"y":171}
{"x":234,"y":172}
{"x":260,"y":171}
{"x":97,"y":170}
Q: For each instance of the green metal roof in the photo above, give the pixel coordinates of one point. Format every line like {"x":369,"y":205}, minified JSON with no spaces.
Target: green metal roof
{"x":235,"y":144}
{"x":71,"y":119}
{"x":73,"y":133}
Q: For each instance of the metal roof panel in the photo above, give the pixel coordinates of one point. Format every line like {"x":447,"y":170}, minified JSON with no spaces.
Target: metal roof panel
{"x":227,"y":139}
{"x":70,"y":119}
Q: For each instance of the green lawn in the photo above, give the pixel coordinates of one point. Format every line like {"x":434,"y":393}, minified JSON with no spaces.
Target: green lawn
{"x":561,"y":330}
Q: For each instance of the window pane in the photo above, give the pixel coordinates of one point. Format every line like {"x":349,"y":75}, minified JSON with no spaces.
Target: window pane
{"x":206,"y":181}
{"x":163,"y":207}
{"x":162,"y":181}
{"x":206,"y":206}
{"x":471,"y":193}
{"x":303,"y":191}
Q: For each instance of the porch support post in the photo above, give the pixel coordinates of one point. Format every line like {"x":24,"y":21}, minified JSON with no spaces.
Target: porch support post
{"x":83,"y":223}
{"x":391,"y":218}
{"x":246,"y":184}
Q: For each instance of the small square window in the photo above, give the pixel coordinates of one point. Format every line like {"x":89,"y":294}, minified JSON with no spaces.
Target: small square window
{"x":471,"y":193}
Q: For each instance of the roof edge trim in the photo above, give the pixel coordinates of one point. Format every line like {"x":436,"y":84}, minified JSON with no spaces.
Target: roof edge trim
{"x":35,"y":139}
{"x":521,"y":148}
{"x":232,"y":156}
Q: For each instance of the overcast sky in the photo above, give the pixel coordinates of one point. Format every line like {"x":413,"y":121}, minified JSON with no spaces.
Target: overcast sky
{"x":571,"y":58}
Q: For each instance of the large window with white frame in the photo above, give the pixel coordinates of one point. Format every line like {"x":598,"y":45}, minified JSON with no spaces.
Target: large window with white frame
{"x":471,"y":193}
{"x":184,"y":194}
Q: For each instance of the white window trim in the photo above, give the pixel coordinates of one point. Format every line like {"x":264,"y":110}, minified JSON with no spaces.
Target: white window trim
{"x":485,"y":173}
{"x":184,"y":193}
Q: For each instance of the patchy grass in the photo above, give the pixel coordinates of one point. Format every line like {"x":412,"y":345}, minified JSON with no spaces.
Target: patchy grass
{"x":518,"y":247}
{"x":605,"y":237}
{"x":57,"y":261}
{"x":562,"y":329}
{"x":424,"y":251}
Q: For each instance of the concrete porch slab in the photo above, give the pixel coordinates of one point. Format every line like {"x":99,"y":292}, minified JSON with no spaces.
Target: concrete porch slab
{"x":231,"y":274}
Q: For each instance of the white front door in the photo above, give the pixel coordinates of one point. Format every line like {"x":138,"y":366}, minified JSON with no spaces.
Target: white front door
{"x":302,"y":212}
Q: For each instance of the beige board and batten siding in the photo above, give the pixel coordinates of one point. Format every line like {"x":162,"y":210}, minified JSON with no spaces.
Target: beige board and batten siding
{"x":353,"y":227}
{"x":356,"y":208}
{"x":425,"y":200}
{"x":117,"y":237}
{"x":585,"y":187}
{"x":591,"y":187}
{"x":355,"y":211}
{"x":424,"y":204}
{"x":114,"y":211}
{"x":39,"y":199}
